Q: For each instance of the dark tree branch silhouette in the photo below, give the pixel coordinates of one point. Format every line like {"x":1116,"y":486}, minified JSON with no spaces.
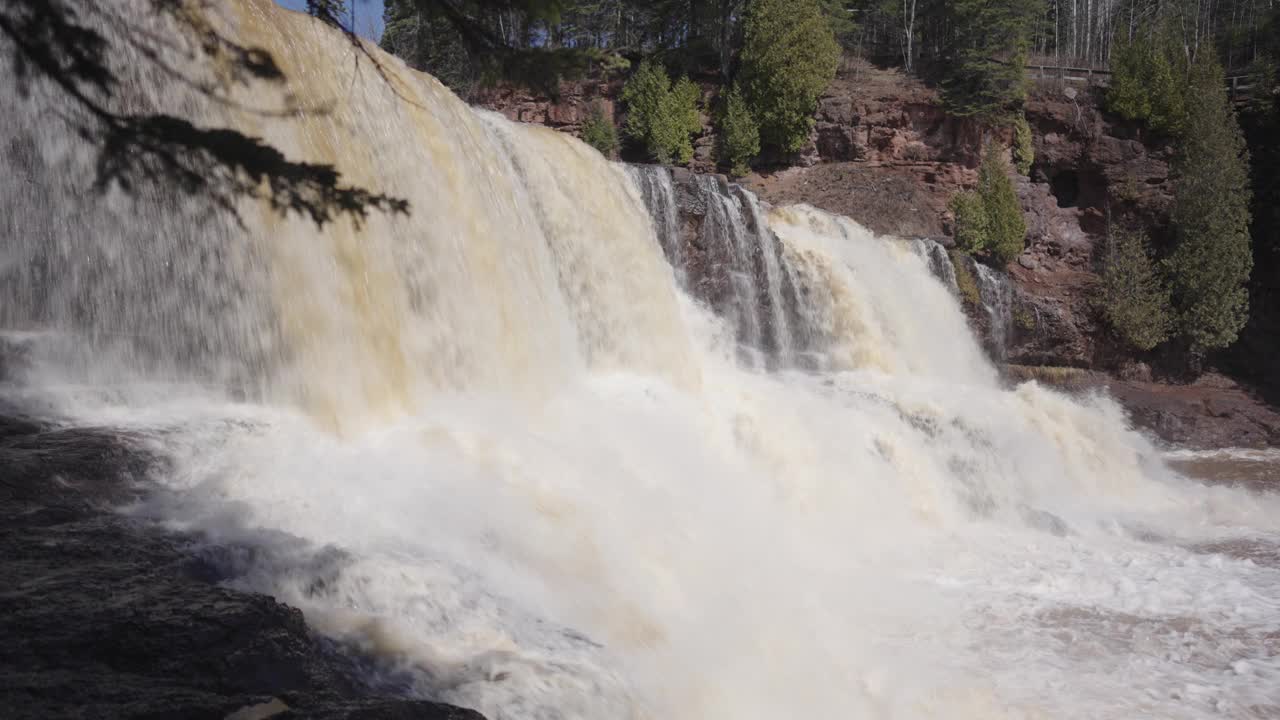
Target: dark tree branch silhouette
{"x":55,"y":40}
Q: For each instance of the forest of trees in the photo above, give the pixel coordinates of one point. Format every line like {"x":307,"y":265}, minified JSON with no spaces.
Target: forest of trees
{"x":705,"y":35}
{"x":772,"y":59}
{"x":975,"y":50}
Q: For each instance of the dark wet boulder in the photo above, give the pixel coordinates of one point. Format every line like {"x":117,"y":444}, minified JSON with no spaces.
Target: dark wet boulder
{"x":105,"y":616}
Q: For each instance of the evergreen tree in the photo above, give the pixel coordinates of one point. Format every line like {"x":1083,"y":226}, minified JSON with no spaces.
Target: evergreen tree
{"x":1255,"y":351}
{"x":662,"y":117}
{"x":686,"y":97}
{"x":972,"y":233}
{"x":840,"y":17}
{"x":1167,"y":82}
{"x":989,"y":220}
{"x":599,"y":131}
{"x":427,"y":42}
{"x":1127,"y":92}
{"x":1147,"y":84}
{"x":1024,"y":151}
{"x":1005,"y":224}
{"x":1211,"y":259}
{"x":789,"y":56}
{"x":739,"y":134}
{"x":985,"y":76}
{"x":1134,"y":298}
{"x":330,"y":11}
{"x":645,"y":95}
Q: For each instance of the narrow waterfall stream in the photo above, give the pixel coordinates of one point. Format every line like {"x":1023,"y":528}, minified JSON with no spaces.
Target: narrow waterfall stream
{"x":553,"y":454}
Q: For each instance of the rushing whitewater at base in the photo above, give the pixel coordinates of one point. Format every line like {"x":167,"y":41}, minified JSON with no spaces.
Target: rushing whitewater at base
{"x":501,"y":444}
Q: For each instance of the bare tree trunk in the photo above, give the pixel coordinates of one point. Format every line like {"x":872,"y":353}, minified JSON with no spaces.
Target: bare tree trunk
{"x":1075,"y":28}
{"x":726,"y":36}
{"x":909,"y":32}
{"x":1088,"y":26}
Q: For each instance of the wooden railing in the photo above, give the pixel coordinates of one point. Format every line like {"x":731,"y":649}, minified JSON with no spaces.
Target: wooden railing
{"x":1067,"y":73}
{"x":1238,"y":86}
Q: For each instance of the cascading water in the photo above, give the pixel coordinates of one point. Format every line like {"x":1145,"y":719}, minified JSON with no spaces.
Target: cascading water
{"x":496,"y":443}
{"x":659,"y":195}
{"x":729,"y":258}
{"x":933,"y":253}
{"x":997,"y":299}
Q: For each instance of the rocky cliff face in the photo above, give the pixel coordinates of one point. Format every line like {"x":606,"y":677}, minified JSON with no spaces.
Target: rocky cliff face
{"x":893,"y":159}
{"x":885,"y":154}
{"x":567,"y":112}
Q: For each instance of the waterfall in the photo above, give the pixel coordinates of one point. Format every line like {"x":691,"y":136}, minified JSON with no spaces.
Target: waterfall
{"x":853,"y":285}
{"x":997,"y":299}
{"x":547,"y":448}
{"x":659,"y":195}
{"x":728,"y":257}
{"x":939,"y":261}
{"x":350,"y":320}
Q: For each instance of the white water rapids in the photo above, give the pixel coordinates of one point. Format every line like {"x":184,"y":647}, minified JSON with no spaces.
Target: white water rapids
{"x":497,"y":444}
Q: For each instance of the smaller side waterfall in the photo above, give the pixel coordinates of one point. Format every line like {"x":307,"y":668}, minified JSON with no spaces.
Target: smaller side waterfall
{"x":660,"y":198}
{"x":724,"y":247}
{"x":718,"y":239}
{"x":939,"y":262}
{"x":772,"y":260}
{"x":997,"y":299}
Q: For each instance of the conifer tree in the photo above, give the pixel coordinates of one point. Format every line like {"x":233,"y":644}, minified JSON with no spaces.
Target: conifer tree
{"x":330,"y":11}
{"x":789,"y":56}
{"x":1005,"y":224}
{"x":1134,"y":297}
{"x":739,"y":134}
{"x":1211,"y":259}
{"x":971,"y":233}
{"x":662,"y":117}
{"x":1147,"y":84}
{"x":985,"y":75}
{"x":1024,"y":151}
{"x":989,"y":220}
{"x":1127,"y":92}
{"x":599,"y":131}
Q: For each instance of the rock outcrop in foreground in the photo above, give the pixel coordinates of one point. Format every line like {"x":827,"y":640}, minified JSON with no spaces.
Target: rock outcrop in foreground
{"x":107,"y":617}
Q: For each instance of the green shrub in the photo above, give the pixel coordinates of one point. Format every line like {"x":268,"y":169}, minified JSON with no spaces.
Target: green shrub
{"x":789,"y":56}
{"x":1127,"y":93}
{"x":609,"y":62}
{"x":645,"y":94}
{"x":1212,"y":258}
{"x":685,"y":98}
{"x":660,"y":116}
{"x":989,"y":220}
{"x":985,"y":76}
{"x":599,"y":131}
{"x":739,"y":134}
{"x":1024,"y":151}
{"x":1168,"y":93}
{"x":1127,"y":190}
{"x":972,"y":234}
{"x":966,"y":283}
{"x":1145,"y":84}
{"x":1006,"y":227}
{"x":1262,"y":98}
{"x":1133,"y":297}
